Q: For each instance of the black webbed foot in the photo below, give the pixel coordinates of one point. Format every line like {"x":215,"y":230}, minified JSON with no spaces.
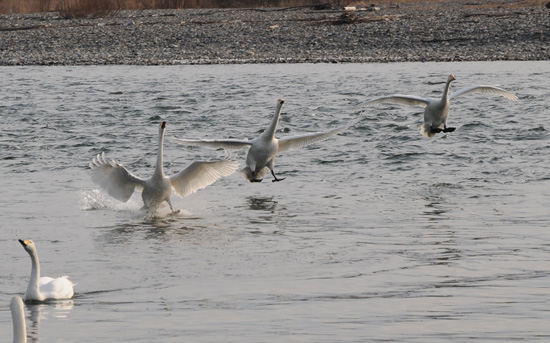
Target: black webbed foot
{"x":449,"y":129}
{"x":256,"y":180}
{"x":435,"y":130}
{"x":275,"y":178}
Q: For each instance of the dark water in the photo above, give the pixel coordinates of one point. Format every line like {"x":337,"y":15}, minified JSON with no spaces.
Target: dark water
{"x":376,"y":235}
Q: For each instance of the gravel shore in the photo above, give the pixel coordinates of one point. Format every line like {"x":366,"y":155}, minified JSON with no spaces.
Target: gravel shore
{"x":448,"y":31}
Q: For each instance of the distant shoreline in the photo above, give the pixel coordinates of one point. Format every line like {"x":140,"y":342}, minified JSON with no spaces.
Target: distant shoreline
{"x":442,"y":31}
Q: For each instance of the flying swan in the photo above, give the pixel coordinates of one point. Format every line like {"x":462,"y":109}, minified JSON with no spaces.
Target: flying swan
{"x":119,"y":183}
{"x":262,"y":150}
{"x":18,"y":318}
{"x":436,"y":111}
{"x":42,"y":288}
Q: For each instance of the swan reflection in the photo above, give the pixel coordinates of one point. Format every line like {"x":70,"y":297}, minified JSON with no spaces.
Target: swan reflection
{"x":58,"y":309}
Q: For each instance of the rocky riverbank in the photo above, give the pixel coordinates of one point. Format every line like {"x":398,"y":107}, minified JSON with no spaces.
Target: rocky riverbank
{"x":445,"y":31}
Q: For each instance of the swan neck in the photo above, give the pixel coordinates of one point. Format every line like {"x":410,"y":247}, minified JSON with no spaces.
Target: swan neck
{"x":445,"y":97}
{"x":33,"y":289}
{"x":158,"y":168}
{"x":19,"y":326}
{"x":270,"y":132}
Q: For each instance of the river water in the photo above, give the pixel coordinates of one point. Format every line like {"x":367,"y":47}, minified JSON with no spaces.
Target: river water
{"x":375,"y":235}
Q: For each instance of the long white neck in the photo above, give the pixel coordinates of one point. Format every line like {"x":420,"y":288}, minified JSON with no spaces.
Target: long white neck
{"x":33,"y":289}
{"x":445,"y":97}
{"x":158,"y":168}
{"x":18,"y":317}
{"x":270,"y":132}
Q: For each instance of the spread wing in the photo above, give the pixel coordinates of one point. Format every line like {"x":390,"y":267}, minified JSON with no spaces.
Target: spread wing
{"x":409,"y":100}
{"x":228,"y":144}
{"x":288,"y":143}
{"x":114,"y":178}
{"x":201,"y":174}
{"x":485,"y":89}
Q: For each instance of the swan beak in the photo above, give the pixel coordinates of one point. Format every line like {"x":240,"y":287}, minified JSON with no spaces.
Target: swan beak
{"x":24,"y":243}
{"x":163,"y":125}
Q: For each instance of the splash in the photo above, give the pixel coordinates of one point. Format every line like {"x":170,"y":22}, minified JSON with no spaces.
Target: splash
{"x":95,"y":199}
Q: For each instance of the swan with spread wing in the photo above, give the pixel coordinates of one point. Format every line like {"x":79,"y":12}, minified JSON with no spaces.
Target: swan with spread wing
{"x":119,"y":183}
{"x":436,"y":111}
{"x":262,"y":150}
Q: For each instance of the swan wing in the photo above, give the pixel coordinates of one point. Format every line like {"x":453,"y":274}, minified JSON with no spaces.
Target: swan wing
{"x":201,"y":174}
{"x":485,"y":89}
{"x":58,"y":288}
{"x":409,"y":100}
{"x":114,"y":178}
{"x":228,"y":144}
{"x":288,"y":143}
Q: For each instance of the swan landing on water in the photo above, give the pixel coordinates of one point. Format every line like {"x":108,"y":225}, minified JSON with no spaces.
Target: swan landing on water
{"x":119,"y":183}
{"x":436,"y":111}
{"x":262,"y":150}
{"x":43,"y":288}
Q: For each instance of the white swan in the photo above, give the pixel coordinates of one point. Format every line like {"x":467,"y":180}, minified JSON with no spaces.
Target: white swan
{"x":18,"y":318}
{"x":262,"y":150}
{"x":436,"y":111}
{"x":42,"y":288}
{"x":119,"y":183}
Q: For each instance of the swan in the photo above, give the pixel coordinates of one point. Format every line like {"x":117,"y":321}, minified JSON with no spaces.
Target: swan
{"x":119,"y":183}
{"x":262,"y":150}
{"x":436,"y":111}
{"x":42,"y":288}
{"x":18,"y":318}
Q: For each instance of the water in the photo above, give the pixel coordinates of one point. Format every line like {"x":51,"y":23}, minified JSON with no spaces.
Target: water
{"x":376,"y":235}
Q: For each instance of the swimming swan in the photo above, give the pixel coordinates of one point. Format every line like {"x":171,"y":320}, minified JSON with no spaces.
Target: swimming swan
{"x":18,"y":318}
{"x":262,"y":150}
{"x":42,"y":288}
{"x":119,"y":183}
{"x":436,"y":111}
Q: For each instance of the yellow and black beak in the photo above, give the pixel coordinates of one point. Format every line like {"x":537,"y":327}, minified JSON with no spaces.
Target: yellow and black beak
{"x":24,"y":243}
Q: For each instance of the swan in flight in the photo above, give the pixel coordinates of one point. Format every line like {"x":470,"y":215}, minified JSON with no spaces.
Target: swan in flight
{"x":436,"y":111}
{"x":262,"y":150}
{"x":119,"y":183}
{"x":18,"y":318}
{"x":42,"y":288}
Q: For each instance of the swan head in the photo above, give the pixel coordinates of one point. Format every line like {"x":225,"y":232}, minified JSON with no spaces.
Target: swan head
{"x":163,"y":125}
{"x":451,"y":78}
{"x":28,"y":245}
{"x":281,"y":101}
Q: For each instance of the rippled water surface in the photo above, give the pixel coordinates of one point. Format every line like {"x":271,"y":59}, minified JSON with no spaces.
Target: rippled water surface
{"x":376,"y":235}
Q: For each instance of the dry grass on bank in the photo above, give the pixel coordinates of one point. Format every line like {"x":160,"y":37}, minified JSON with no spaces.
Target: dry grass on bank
{"x":80,"y":8}
{"x":98,"y":8}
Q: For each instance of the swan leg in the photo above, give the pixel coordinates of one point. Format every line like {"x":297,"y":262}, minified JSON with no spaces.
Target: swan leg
{"x":172,"y":208}
{"x":275,"y":178}
{"x":253,"y":179}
